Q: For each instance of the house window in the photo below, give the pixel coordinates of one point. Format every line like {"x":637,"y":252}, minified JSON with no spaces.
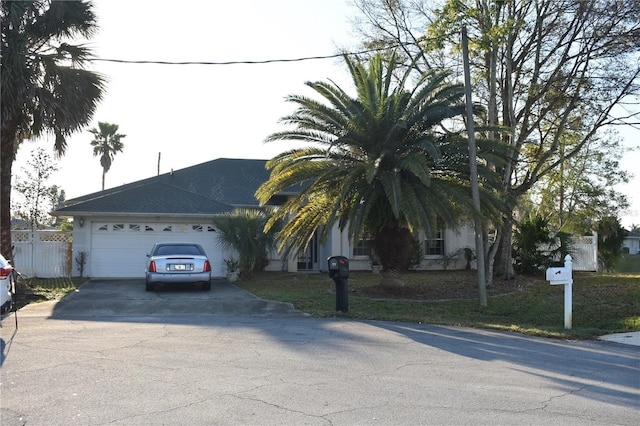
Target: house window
{"x":149,"y":228}
{"x":202,"y":228}
{"x":166,"y":228}
{"x":434,"y":246}
{"x":134,"y":227}
{"x":104,"y":227}
{"x":118,"y":227}
{"x":181,"y":227}
{"x":363,"y":246}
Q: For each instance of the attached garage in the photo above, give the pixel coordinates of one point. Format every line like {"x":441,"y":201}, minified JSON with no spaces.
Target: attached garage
{"x":118,"y":249}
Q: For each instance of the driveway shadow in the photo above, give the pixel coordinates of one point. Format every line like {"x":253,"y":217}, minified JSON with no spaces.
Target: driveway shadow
{"x":5,"y":346}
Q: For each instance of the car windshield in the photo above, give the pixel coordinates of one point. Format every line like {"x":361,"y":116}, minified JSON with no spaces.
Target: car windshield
{"x":178,"y":249}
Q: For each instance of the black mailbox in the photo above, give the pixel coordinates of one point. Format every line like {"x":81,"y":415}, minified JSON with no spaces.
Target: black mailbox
{"x":338,"y":267}
{"x":339,"y":272}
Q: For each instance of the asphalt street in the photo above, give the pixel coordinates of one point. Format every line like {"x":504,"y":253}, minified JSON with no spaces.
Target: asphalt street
{"x":112,"y":353}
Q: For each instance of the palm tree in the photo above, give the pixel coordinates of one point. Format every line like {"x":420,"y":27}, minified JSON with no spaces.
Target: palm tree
{"x":106,"y":144}
{"x":244,"y":231}
{"x":45,"y":88}
{"x":380,"y":163}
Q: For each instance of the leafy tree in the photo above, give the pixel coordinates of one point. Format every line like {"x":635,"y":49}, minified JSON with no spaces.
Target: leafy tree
{"x":58,"y":201}
{"x":610,"y":239}
{"x":244,"y":231}
{"x":380,"y":162}
{"x":581,"y":190}
{"x":106,"y":143}
{"x":45,"y":88}
{"x":38,"y":197}
{"x":551,"y":72}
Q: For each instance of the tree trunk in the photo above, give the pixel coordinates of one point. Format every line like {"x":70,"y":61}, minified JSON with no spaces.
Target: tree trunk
{"x":504,"y":256}
{"x":393,"y":245}
{"x":7,"y":155}
{"x":491,"y":257}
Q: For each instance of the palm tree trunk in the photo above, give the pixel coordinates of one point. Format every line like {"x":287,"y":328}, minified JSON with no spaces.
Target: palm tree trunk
{"x":7,"y":155}
{"x":391,"y":278}
{"x":104,"y":172}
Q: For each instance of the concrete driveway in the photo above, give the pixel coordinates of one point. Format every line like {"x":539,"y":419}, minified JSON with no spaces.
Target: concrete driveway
{"x":189,"y":357}
{"x":126,"y":298}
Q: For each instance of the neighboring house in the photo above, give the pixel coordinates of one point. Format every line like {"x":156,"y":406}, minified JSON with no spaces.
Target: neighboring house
{"x":117,"y":227}
{"x":631,"y":243}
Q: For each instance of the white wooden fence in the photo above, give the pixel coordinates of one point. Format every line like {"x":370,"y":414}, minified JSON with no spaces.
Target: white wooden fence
{"x":43,"y":254}
{"x":584,"y":251}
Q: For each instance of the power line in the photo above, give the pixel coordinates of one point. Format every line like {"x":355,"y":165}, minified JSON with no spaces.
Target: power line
{"x":266,"y":61}
{"x":245,"y":62}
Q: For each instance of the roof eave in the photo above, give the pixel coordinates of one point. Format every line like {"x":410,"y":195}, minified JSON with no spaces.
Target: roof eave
{"x":125,"y":214}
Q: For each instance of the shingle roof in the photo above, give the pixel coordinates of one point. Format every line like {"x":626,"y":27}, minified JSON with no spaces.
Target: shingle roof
{"x":213,"y":187}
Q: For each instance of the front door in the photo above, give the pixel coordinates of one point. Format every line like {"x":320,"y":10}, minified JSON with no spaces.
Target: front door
{"x":308,"y":260}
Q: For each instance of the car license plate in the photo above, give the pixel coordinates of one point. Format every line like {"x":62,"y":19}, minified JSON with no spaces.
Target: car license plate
{"x":180,"y":267}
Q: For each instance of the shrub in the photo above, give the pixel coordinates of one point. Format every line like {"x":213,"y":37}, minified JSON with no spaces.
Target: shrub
{"x":533,"y":243}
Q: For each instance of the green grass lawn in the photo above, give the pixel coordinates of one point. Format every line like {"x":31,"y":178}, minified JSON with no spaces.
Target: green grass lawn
{"x":602,"y":303}
{"x":629,"y":263}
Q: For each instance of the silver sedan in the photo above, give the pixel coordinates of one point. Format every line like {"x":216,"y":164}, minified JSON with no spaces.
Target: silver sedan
{"x":178,"y":263}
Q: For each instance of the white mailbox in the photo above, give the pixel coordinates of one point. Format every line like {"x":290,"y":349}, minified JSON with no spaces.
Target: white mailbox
{"x":563,"y":276}
{"x":559,"y":276}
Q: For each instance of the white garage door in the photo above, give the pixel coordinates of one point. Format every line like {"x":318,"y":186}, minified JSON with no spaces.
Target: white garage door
{"x":119,"y":249}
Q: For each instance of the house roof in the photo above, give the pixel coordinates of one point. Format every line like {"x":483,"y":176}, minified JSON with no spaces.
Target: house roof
{"x":213,"y":187}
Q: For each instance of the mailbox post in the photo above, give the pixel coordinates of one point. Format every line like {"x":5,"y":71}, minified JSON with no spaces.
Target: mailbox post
{"x":564,"y":276}
{"x":339,"y":272}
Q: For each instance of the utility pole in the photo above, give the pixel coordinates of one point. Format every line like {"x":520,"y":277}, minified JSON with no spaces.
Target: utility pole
{"x":473,"y":169}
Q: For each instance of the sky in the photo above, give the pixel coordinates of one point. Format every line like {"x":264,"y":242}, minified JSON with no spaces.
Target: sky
{"x":190,"y":114}
{"x":196,"y":113}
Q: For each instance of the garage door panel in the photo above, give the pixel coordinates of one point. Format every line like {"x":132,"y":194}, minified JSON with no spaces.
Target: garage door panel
{"x":119,"y":249}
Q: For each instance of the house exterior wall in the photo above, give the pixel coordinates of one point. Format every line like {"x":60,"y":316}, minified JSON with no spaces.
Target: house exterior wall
{"x":453,"y":257}
{"x":455,"y":240}
{"x":631,"y":244}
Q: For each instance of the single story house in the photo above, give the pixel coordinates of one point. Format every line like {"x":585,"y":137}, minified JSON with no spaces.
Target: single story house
{"x":631,"y":243}
{"x":117,"y":227}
